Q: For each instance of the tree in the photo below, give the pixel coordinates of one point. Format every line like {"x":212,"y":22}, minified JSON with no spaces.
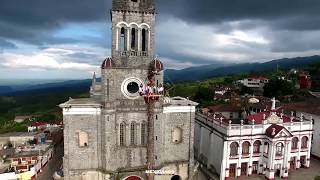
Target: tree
{"x":47,"y":118}
{"x":245,"y":90}
{"x":278,"y":88}
{"x":204,"y":95}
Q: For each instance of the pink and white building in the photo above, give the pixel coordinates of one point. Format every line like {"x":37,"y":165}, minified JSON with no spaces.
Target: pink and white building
{"x":268,"y":143}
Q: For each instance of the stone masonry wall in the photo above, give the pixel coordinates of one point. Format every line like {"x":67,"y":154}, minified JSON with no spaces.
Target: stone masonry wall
{"x":75,"y":156}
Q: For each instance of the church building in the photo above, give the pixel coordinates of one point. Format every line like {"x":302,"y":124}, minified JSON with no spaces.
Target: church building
{"x":268,"y":143}
{"x":128,"y":129}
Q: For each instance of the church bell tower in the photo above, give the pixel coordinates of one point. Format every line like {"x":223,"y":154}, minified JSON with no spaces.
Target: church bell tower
{"x":127,"y":127}
{"x":133,"y":32}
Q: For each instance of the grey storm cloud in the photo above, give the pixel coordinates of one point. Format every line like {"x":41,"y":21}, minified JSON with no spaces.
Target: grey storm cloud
{"x":295,"y":13}
{"x":24,"y":18}
{"x":34,"y":21}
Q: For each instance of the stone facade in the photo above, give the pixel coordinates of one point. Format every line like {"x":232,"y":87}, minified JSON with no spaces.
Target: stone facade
{"x":114,"y":120}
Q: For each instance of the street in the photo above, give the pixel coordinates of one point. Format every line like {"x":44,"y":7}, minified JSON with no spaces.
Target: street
{"x":53,"y":165}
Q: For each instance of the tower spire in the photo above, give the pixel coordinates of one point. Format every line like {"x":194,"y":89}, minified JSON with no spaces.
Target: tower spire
{"x":94,"y":79}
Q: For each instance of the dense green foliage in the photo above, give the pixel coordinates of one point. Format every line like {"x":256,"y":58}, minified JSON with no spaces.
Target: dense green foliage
{"x":43,"y":106}
{"x":278,"y":88}
{"x":201,"y":91}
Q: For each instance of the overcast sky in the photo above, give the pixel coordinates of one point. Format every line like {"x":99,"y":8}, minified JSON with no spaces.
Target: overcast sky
{"x":69,"y":39}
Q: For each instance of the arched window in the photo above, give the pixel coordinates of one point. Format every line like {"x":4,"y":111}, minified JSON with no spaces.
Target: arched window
{"x":133,"y":39}
{"x":256,"y":147}
{"x":177,"y":135}
{"x":245,"y":148}
{"x":266,"y":147}
{"x":294,"y":143}
{"x":122,"y":134}
{"x":83,"y":139}
{"x":304,"y":142}
{"x":144,"y":39}
{"x":176,"y":177}
{"x":133,"y":129}
{"x":122,"y":39}
{"x":234,"y":149}
{"x":143,"y":133}
{"x":279,"y":149}
{"x":133,"y":178}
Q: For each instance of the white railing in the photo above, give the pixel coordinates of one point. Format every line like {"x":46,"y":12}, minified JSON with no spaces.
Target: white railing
{"x":133,"y":53}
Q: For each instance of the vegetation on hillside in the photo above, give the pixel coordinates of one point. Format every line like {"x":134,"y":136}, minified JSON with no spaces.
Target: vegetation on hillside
{"x":43,"y":106}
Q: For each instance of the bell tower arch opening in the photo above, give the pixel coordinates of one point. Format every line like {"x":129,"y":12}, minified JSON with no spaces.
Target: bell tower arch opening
{"x":122,"y":39}
{"x":133,"y":32}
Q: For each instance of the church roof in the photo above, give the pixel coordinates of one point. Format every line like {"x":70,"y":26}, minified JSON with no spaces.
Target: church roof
{"x":260,"y":117}
{"x":178,"y":101}
{"x":83,"y":102}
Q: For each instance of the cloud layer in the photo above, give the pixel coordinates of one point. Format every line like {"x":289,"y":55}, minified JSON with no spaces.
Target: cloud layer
{"x":74,"y":35}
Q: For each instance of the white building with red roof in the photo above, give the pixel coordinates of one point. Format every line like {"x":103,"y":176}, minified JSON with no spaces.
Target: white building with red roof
{"x":268,"y":143}
{"x":254,"y":82}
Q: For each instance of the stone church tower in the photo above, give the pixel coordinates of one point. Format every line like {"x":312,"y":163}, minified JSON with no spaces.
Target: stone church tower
{"x":121,"y":132}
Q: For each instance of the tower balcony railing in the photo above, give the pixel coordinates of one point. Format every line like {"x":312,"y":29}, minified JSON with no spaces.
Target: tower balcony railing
{"x":133,"y":53}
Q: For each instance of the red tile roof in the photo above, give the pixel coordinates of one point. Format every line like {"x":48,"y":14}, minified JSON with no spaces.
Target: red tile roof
{"x":259,"y":117}
{"x":107,"y":63}
{"x":37,"y":124}
{"x":258,"y":78}
{"x":311,"y":106}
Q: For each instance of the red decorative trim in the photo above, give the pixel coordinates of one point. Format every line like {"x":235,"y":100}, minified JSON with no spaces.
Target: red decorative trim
{"x":226,"y":178}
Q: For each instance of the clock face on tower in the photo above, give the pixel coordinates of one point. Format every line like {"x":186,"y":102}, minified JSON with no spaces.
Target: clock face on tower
{"x":130,"y":87}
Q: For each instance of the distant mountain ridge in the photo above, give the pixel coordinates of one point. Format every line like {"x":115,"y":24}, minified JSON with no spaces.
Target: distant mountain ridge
{"x":68,"y":85}
{"x":205,"y":72}
{"x":189,"y":74}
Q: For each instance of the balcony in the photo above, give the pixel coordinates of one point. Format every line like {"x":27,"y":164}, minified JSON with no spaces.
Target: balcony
{"x":303,"y":149}
{"x":234,"y":156}
{"x":279,"y":156}
{"x":294,"y":150}
{"x":256,"y":154}
{"x":245,"y":155}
